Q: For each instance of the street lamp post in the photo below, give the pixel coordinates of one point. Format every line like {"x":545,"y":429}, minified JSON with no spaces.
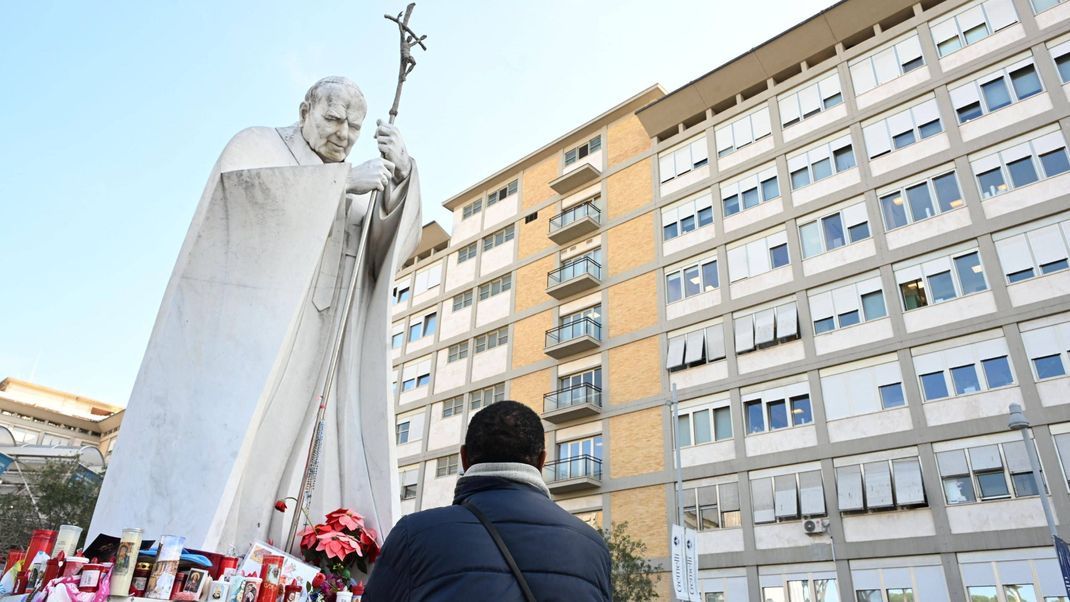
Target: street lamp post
{"x":1018,"y":422}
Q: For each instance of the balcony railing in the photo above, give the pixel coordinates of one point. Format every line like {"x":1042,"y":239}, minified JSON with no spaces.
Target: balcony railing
{"x":572,"y":271}
{"x":570,"y":469}
{"x":584,"y":327}
{"x":575,"y":222}
{"x":581,"y":394}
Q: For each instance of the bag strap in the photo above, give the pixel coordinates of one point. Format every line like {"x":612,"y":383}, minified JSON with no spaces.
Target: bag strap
{"x":489,"y":526}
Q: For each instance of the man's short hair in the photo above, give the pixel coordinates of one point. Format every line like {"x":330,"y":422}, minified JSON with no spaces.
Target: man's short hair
{"x":314,"y":92}
{"x":505,"y":431}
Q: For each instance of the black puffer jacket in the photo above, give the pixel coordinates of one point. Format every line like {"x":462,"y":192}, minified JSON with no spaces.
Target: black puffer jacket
{"x":446,"y":554}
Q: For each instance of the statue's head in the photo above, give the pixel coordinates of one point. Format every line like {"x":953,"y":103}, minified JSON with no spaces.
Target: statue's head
{"x":331,"y":116}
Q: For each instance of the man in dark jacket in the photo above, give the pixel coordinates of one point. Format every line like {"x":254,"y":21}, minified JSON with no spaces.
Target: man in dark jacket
{"x":447,"y":554}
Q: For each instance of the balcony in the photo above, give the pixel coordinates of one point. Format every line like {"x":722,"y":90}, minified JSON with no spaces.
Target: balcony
{"x":573,"y":474}
{"x":575,"y":276}
{"x":572,"y":338}
{"x":571,"y":180}
{"x":575,"y":222}
{"x":570,"y":403}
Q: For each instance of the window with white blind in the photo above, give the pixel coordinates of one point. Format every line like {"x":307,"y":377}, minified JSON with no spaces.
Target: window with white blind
{"x":401,"y":432}
{"x":696,"y":426}
{"x":888,"y":63}
{"x":902,"y":128}
{"x":1040,"y":6}
{"x":920,"y":200}
{"x":427,"y":278}
{"x":692,"y":279}
{"x":453,"y":406}
{"x":447,"y":465}
{"x":416,"y":374}
{"x":462,"y":300}
{"x":1060,"y":53}
{"x":711,"y":507}
{"x":880,"y":485}
{"x":750,"y":191}
{"x":847,"y":305}
{"x":471,"y":209}
{"x":740,"y":132}
{"x":457,"y":352}
{"x":401,"y":293}
{"x":499,"y":238}
{"x":971,"y":24}
{"x":467,"y":252}
{"x":409,"y":480}
{"x":687,"y":216}
{"x":1036,"y":159}
{"x":1048,"y":349}
{"x":810,"y":99}
{"x":486,"y":396}
{"x":862,"y":391}
{"x":492,"y":339}
{"x":684,"y":159}
{"x":820,"y":162}
{"x":1041,"y":250}
{"x":846,"y":226}
{"x":758,"y":256}
{"x":502,"y":193}
{"x":997,"y":471}
{"x":777,"y":409}
{"x":941,"y":279}
{"x":495,"y":287}
{"x":591,"y":146}
{"x":996,"y":89}
{"x":423,"y":326}
{"x":787,"y":497}
{"x":766,"y":328}
{"x":695,"y":348}
{"x":964,"y":370}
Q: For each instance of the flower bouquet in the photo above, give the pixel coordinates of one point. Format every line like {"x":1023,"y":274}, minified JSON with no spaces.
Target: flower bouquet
{"x":342,"y":546}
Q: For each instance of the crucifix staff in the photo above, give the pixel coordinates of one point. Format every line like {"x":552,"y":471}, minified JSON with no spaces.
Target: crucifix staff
{"x":409,"y":39}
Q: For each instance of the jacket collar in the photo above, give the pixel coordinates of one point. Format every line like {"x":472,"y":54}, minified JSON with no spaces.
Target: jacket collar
{"x":503,"y":475}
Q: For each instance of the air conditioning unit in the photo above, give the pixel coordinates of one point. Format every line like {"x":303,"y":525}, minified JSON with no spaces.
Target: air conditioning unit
{"x":815,"y":526}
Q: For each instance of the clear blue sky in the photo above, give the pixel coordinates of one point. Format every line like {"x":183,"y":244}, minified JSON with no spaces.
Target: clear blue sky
{"x":113,"y":113}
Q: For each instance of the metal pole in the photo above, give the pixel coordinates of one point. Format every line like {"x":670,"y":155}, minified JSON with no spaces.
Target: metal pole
{"x":1034,"y":464}
{"x":679,"y":466}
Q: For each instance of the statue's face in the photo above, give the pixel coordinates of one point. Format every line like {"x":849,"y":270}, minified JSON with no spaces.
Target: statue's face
{"x":331,"y":125}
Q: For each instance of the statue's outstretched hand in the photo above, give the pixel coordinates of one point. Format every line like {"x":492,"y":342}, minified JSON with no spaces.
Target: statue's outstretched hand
{"x":392,"y":148}
{"x":370,"y":175}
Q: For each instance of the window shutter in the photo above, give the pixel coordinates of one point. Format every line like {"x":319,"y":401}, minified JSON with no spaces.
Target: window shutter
{"x":849,"y":487}
{"x":699,"y":152}
{"x":1047,"y":244}
{"x":925,"y":112}
{"x":695,"y":346}
{"x":908,"y":50}
{"x":764,"y":326}
{"x":810,"y":99}
{"x":715,"y":342}
{"x":862,"y":76}
{"x":744,"y":331}
{"x":878,"y":485}
{"x":909,"y":487}
{"x":676,"y":353}
{"x":985,"y":457}
{"x":787,"y":321}
{"x":877,"y":140}
{"x":830,"y":86}
{"x":786,"y":496}
{"x":964,"y":95}
{"x":729,"y":496}
{"x":821,"y":306}
{"x":855,"y":214}
{"x":682,"y":160}
{"x":1049,"y":142}
{"x":737,"y":263}
{"x":760,"y":123}
{"x":742,"y":134}
{"x":789,"y":109}
{"x":762,"y":500}
{"x":1017,"y":457}
{"x":900,"y":122}
{"x":952,"y":463}
{"x":1000,"y":13}
{"x":886,"y":65}
{"x":666,"y":167}
{"x":811,"y":493}
{"x":845,"y":299}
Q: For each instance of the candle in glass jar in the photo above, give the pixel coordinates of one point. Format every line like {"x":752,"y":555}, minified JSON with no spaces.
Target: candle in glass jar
{"x":122,"y":573}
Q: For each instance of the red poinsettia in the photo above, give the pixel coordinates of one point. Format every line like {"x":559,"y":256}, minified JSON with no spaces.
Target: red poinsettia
{"x":368,"y":544}
{"x":309,"y":535}
{"x":337,"y":545}
{"x":344,"y":519}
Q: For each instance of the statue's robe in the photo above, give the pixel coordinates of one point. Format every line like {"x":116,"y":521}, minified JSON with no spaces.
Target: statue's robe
{"x":223,"y":409}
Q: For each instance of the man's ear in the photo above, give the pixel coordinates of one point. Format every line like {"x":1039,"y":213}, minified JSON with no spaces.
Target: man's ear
{"x":464,"y":458}
{"x":541,"y":461}
{"x":302,"y":111}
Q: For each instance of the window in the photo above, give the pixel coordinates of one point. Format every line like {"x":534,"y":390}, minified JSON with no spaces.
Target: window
{"x":847,"y":305}
{"x":423,"y":327}
{"x":467,"y":252}
{"x":687,"y":216}
{"x":457,"y":351}
{"x":758,"y":256}
{"x":996,"y":90}
{"x":684,"y":159}
{"x":471,"y":209}
{"x":940,"y":280}
{"x":447,"y":465}
{"x":409,"y":484}
{"x":691,"y":280}
{"x":1041,"y":250}
{"x":427,"y":278}
{"x":788,"y":497}
{"x":964,"y":370}
{"x":737,"y":134}
{"x":1061,"y":54}
{"x":485,"y":397}
{"x":972,"y":25}
{"x":453,"y":406}
{"x":1047,"y":349}
{"x":699,"y":426}
{"x":579,"y":458}
{"x":750,"y":191}
{"x":1040,"y":6}
{"x":499,"y":238}
{"x":902,"y":129}
{"x":462,"y":300}
{"x":696,"y":348}
{"x":886,"y":64}
{"x":766,"y":328}
{"x":880,"y":485}
{"x":401,"y":294}
{"x":829,"y":232}
{"x":986,"y":472}
{"x":581,"y":151}
{"x":492,"y":339}
{"x":766,"y":414}
{"x":920,"y":200}
{"x":416,"y":374}
{"x":712,"y":507}
{"x":495,"y":287}
{"x":862,"y":390}
{"x":1020,"y":165}
{"x":402,"y":431}
{"x":579,"y":388}
{"x":396,"y":340}
{"x":501,"y":194}
{"x":585,"y":322}
{"x":821,"y":162}
{"x":810,"y":99}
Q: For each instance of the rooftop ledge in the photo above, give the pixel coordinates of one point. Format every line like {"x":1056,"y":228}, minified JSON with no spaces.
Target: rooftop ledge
{"x":572,"y":180}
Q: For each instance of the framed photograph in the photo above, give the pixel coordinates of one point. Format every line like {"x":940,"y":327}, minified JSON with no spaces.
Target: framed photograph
{"x":196,"y":581}
{"x":250,"y":588}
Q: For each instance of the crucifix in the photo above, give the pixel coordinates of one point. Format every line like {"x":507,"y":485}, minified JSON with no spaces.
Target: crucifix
{"x":408,"y":39}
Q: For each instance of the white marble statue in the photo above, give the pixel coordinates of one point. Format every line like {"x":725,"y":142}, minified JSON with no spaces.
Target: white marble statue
{"x":222,"y":412}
